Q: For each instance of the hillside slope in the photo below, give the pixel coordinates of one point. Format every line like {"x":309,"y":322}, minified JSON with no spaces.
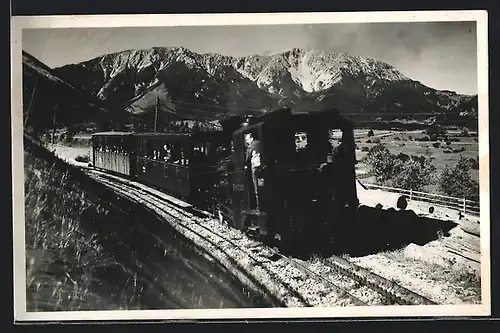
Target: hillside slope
{"x":46,"y":95}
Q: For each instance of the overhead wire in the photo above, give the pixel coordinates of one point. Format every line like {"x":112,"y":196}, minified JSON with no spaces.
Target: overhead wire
{"x":344,"y":113}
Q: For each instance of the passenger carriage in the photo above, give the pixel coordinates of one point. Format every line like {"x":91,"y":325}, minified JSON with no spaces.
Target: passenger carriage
{"x":115,"y":152}
{"x":181,"y":163}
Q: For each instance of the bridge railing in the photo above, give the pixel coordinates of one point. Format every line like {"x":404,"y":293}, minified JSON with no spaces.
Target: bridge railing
{"x":464,"y":205}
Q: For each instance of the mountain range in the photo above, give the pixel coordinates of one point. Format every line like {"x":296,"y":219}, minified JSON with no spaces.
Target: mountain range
{"x":211,"y":86}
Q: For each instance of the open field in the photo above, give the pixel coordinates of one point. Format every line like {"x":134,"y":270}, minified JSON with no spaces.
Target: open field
{"x":404,"y":142}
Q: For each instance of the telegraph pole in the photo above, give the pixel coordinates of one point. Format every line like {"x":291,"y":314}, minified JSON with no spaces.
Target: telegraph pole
{"x":156,"y":111}
{"x":54,"y":126}
{"x":31,"y":103}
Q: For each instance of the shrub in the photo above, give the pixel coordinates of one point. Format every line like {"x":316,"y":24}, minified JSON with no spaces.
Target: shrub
{"x":474,"y":163}
{"x":448,"y":142}
{"x":456,"y":181}
{"x":83,"y":158}
{"x":403,"y":157}
{"x":368,"y":141}
{"x":370,"y":133}
{"x":399,"y":170}
{"x":381,"y":162}
{"x":436,"y":145}
{"x":365,"y":148}
{"x":412,"y":174}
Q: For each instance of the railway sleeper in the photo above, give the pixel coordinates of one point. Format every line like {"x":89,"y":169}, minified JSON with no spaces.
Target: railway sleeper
{"x":383,"y":286}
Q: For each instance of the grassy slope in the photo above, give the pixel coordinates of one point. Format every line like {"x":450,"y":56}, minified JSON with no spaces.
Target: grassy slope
{"x":64,"y":261}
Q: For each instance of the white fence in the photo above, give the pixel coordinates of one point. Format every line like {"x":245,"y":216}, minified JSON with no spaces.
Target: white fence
{"x":464,"y":205}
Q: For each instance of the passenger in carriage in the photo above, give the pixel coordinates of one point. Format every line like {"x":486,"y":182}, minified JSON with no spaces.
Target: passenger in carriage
{"x":166,"y":153}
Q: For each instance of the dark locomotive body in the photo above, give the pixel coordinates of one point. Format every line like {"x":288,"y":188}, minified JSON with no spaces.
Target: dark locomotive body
{"x":305,"y":189}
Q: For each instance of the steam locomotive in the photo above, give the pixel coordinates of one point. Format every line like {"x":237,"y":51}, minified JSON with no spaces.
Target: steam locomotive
{"x":306,"y":183}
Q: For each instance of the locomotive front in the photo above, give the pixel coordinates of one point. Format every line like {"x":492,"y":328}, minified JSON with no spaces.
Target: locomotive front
{"x":303,"y":186}
{"x":314,"y":177}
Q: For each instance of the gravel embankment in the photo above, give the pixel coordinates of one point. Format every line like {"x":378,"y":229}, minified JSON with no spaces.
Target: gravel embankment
{"x":252,"y":262}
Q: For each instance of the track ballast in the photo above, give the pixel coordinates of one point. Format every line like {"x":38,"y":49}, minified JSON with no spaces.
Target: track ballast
{"x":382,"y":290}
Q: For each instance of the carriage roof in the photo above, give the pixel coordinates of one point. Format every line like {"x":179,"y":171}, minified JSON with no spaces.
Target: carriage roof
{"x":184,"y":136}
{"x":111,"y":133}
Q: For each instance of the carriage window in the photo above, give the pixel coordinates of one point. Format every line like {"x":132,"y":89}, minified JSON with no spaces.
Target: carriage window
{"x":167,"y":152}
{"x":151,"y":150}
{"x":145,"y":149}
{"x":185,"y":159}
{"x":176,"y":154}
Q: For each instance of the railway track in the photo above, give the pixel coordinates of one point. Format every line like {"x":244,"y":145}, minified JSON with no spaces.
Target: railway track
{"x":389,"y":291}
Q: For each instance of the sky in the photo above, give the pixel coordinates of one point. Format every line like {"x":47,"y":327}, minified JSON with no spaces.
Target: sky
{"x":441,"y":55}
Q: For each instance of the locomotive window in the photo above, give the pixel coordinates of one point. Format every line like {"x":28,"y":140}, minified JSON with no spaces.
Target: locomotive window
{"x":335,"y":137}
{"x":300,"y":141}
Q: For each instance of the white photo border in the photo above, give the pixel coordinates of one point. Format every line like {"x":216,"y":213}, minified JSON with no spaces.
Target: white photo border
{"x":18,"y":23}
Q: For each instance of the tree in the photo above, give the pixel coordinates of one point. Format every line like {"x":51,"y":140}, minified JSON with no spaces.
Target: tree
{"x":370,"y":133}
{"x":456,"y":181}
{"x":413,"y":173}
{"x":400,"y":170}
{"x":381,"y":162}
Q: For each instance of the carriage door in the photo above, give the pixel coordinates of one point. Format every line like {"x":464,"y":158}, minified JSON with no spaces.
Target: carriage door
{"x":237,"y":181}
{"x":141,"y":158}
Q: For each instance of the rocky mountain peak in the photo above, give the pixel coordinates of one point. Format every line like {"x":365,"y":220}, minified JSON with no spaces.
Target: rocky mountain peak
{"x":297,"y":77}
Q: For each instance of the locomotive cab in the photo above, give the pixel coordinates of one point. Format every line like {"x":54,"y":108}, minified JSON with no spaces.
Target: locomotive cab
{"x":302,"y":184}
